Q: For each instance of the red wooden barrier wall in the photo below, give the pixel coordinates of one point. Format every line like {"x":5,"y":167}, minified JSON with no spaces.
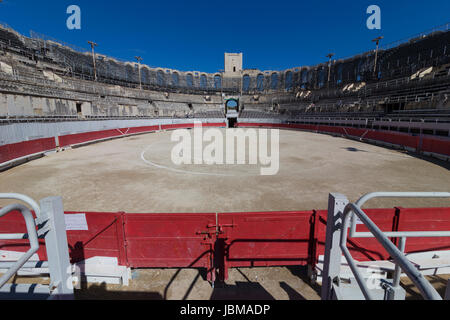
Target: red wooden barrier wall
{"x":230,"y":239}
{"x":17,"y":150}
{"x":429,"y":144}
{"x":436,"y":145}
{"x":21,"y":149}
{"x":364,"y":249}
{"x":168,"y":239}
{"x":218,"y":242}
{"x":425,"y":219}
{"x":104,"y":237}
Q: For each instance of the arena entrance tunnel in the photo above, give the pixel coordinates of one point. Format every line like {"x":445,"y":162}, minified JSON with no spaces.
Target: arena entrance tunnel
{"x":232,"y":122}
{"x":232,"y":105}
{"x":232,"y":111}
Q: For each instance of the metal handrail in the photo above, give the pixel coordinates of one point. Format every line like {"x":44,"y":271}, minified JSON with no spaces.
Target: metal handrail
{"x":425,"y":288}
{"x":21,"y":197}
{"x":31,"y":235}
{"x":353,"y":209}
{"x":361,"y":201}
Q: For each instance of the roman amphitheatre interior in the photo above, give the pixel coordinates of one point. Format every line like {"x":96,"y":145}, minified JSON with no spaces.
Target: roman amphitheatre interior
{"x":87,"y":140}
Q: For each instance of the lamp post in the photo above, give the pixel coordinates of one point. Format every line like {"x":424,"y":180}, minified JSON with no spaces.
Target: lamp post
{"x":139,"y":59}
{"x":329,"y":56}
{"x":93,"y":45}
{"x":377,"y":41}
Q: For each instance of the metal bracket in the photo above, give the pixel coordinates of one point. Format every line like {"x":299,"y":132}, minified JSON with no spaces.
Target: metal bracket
{"x":218,"y":228}
{"x":43,"y":225}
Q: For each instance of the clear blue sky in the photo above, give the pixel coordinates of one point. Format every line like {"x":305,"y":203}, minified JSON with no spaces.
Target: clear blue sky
{"x":193,"y":35}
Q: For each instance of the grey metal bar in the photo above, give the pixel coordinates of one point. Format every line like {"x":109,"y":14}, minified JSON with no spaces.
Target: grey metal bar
{"x":332,"y":255}
{"x":28,"y":264}
{"x":372,"y":195}
{"x":447,"y":291}
{"x":398,"y":270}
{"x":359,"y":278}
{"x":361,"y":201}
{"x":56,"y":246}
{"x":408,"y":234}
{"x":426,"y":289}
{"x":33,"y":204}
{"x":13,"y":236}
{"x":32,"y":237}
{"x":23,"y":291}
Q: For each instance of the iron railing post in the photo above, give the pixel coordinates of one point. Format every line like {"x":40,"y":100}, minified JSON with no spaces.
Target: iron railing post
{"x":333,"y":254}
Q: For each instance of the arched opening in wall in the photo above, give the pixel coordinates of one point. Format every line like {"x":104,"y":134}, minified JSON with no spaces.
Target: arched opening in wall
{"x":321,"y":82}
{"x":217,"y":82}
{"x":145,"y":76}
{"x":175,"y":79}
{"x":189,"y":80}
{"x":310,"y":77}
{"x":274,"y":81}
{"x":288,"y":81}
{"x":136,"y":73}
{"x":160,"y":78}
{"x":339,"y":74}
{"x":78,"y":106}
{"x":260,"y":82}
{"x":359,"y":71}
{"x":129,"y":73}
{"x":246,"y":83}
{"x":203,"y":81}
{"x":304,"y":78}
{"x":296,"y":78}
{"x":232,"y":105}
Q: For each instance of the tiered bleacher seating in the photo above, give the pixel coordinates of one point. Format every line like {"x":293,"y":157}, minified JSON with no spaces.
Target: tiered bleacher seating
{"x":208,"y":114}
{"x":10,"y":39}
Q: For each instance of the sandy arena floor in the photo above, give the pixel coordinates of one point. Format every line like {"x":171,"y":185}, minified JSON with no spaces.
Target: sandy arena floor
{"x":120,"y":175}
{"x":136,"y":174}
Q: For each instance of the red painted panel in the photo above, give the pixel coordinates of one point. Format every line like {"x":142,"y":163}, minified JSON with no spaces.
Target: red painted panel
{"x":17,"y":150}
{"x":362,"y":249}
{"x":168,"y":239}
{"x":267,"y":238}
{"x":436,"y":145}
{"x":139,"y":129}
{"x":330,"y":129}
{"x":401,"y":139}
{"x":104,"y":237}
{"x":88,"y":136}
{"x":242,"y":239}
{"x":425,"y":219}
{"x":177,"y":126}
{"x":14,"y":222}
{"x":216,"y":124}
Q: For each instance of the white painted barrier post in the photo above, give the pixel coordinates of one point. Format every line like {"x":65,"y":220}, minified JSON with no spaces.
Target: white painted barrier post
{"x":333,"y":252}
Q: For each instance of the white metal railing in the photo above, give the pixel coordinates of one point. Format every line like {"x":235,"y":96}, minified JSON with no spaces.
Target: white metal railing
{"x":49,"y":224}
{"x":31,"y":235}
{"x":353,"y":210}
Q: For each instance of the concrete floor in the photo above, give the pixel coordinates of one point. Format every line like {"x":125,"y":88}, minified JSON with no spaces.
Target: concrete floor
{"x":112,"y":176}
{"x":273,"y":283}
